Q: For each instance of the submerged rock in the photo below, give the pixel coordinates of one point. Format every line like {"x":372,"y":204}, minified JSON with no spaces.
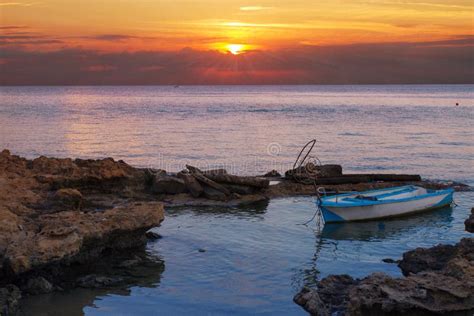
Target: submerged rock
{"x":311,"y":302}
{"x":98,"y":281}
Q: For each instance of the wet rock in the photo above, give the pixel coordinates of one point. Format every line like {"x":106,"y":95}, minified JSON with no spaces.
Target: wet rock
{"x":272,"y":174}
{"x":311,"y":302}
{"x":469,"y":223}
{"x":98,"y":281}
{"x":153,"y":236}
{"x":390,"y":260}
{"x":10,"y":296}
{"x":334,"y":291}
{"x":331,"y":297}
{"x":168,"y":185}
{"x":38,"y":285}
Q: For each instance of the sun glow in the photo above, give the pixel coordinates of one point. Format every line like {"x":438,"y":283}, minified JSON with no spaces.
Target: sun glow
{"x":235,"y":49}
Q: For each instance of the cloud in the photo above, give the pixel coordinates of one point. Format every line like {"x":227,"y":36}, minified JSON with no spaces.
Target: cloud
{"x":116,"y":37}
{"x":17,"y":4}
{"x":111,"y":37}
{"x":447,"y":61}
{"x":15,"y":38}
{"x":12,"y":27}
{"x":254,"y":8}
{"x":423,"y":4}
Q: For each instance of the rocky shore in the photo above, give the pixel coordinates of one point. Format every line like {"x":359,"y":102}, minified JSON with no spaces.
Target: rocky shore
{"x":58,"y":216}
{"x":437,"y":281}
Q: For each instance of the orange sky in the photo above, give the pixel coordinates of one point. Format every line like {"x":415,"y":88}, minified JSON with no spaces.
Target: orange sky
{"x":135,"y":25}
{"x":236,"y":41}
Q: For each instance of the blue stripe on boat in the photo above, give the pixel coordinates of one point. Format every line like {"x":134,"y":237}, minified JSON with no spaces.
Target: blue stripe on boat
{"x":357,"y":202}
{"x":330,"y":216}
{"x":448,"y":199}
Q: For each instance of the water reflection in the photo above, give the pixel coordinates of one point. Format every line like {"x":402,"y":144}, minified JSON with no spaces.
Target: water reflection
{"x":379,"y":230}
{"x":365,"y":243}
{"x":255,"y":210}
{"x":146,"y":274}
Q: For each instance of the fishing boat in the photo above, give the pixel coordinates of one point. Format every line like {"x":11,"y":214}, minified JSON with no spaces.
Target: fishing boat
{"x":383,"y":203}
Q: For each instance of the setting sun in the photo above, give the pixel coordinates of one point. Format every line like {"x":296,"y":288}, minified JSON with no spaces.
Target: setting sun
{"x":235,"y":49}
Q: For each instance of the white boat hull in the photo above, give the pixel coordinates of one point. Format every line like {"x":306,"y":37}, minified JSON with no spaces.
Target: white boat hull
{"x":335,"y":213}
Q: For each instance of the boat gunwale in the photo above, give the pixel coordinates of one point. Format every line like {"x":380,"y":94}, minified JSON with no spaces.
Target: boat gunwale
{"x":390,"y":217}
{"x":381,"y":202}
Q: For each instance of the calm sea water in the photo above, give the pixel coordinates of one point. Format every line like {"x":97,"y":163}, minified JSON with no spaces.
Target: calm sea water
{"x":257,"y":257}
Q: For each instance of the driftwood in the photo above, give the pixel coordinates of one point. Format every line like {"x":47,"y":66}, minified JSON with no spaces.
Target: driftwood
{"x":240,"y":189}
{"x":213,"y":194}
{"x":255,"y":182}
{"x":193,"y":186}
{"x":204,"y":180}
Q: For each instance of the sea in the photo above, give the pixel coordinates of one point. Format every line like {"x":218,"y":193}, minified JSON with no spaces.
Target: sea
{"x":252,"y":260}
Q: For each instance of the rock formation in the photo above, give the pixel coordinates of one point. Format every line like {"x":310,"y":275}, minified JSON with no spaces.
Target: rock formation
{"x":438,"y":281}
{"x":61,"y":212}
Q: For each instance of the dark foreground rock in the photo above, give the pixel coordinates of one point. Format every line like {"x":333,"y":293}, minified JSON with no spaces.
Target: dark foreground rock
{"x":10,"y":296}
{"x":431,"y":287}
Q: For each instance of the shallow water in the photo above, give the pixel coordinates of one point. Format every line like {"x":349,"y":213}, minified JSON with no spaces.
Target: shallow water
{"x":256,"y":258}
